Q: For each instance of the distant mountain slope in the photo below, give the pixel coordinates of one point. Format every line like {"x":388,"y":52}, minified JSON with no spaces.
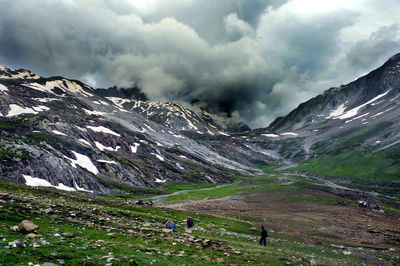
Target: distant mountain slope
{"x":169,"y":114}
{"x":371,"y":97}
{"x":58,"y":132}
{"x":351,"y":131}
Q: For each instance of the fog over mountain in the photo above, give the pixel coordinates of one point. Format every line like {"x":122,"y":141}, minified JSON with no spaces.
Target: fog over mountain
{"x":253,"y":60}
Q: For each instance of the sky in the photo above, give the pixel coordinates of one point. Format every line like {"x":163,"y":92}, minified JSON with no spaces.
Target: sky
{"x":252,"y":60}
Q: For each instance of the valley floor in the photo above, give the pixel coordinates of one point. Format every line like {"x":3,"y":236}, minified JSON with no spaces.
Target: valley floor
{"x":305,"y":223}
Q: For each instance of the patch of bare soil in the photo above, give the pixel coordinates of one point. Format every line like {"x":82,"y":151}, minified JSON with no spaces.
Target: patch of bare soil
{"x":312,"y":222}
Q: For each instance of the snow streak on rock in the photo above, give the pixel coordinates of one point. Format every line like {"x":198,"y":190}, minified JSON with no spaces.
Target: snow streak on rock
{"x":134,"y":148}
{"x":102,"y":147}
{"x":84,"y":162}
{"x":17,"y":110}
{"x":104,"y":130}
{"x":39,"y":182}
{"x":3,"y":88}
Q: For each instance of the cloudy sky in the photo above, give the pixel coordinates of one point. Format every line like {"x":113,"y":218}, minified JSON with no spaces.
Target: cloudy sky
{"x":251,"y":59}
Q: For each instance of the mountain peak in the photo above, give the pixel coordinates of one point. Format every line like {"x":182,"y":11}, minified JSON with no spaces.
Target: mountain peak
{"x":395,"y":58}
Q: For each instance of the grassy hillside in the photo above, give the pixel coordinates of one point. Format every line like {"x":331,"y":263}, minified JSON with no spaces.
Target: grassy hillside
{"x":77,"y":228}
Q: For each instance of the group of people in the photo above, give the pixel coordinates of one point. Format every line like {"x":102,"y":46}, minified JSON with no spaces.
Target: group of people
{"x":189,"y":225}
{"x":147,"y":203}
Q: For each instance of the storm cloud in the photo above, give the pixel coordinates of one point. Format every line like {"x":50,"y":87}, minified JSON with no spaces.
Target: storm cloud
{"x":253,"y":60}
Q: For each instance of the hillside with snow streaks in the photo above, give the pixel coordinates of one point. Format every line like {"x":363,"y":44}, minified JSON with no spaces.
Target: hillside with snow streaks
{"x":365,"y":105}
{"x":61,"y":132}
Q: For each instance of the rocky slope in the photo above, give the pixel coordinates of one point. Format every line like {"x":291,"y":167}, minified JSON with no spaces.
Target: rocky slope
{"x":60,"y":133}
{"x":371,"y":103}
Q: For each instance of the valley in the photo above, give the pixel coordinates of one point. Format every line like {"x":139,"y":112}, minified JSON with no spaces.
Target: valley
{"x":305,"y":223}
{"x":324,"y":180}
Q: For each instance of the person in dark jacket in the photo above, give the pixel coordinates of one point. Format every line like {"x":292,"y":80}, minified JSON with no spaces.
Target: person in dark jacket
{"x":189,"y":225}
{"x":264,"y":234}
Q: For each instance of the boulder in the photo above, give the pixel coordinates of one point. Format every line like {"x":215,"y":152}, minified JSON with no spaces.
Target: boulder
{"x":15,"y":228}
{"x":27,"y":227}
{"x":31,"y":235}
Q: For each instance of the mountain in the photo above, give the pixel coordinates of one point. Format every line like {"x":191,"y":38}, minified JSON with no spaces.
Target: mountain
{"x":349,"y":131}
{"x":370,"y":98}
{"x":172,"y":115}
{"x":60,"y":133}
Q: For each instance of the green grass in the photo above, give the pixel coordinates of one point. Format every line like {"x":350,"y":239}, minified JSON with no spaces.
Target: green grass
{"x":359,"y":165}
{"x":174,"y":187}
{"x":101,"y":227}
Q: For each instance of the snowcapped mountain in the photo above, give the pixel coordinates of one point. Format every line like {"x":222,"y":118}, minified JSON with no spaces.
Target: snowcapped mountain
{"x":60,"y":133}
{"x":369,"y":104}
{"x":171,"y":115}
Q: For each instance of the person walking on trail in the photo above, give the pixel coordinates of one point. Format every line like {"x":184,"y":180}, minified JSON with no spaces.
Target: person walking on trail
{"x":264,"y":235}
{"x":189,"y":224}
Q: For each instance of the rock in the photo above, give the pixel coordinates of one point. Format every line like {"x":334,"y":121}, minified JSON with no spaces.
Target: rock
{"x":27,"y":227}
{"x":31,"y":235}
{"x":48,"y":211}
{"x":48,"y":264}
{"x":20,"y":245}
{"x":15,"y":228}
{"x":219,"y":260}
{"x":209,"y":227}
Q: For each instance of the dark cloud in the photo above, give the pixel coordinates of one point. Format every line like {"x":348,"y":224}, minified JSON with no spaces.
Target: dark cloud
{"x":377,"y":49}
{"x":252,"y":60}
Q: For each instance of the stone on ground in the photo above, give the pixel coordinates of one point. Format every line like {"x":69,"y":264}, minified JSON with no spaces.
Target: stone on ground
{"x":27,"y":227}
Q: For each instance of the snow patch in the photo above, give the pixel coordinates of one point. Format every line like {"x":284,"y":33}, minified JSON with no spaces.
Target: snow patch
{"x":100,"y":102}
{"x":104,"y":130}
{"x":81,"y":129}
{"x":160,"y":181}
{"x":102,"y":147}
{"x":289,"y":134}
{"x":98,"y":113}
{"x":270,"y":135}
{"x":159,"y":157}
{"x":373,"y":116}
{"x":39,"y":182}
{"x":3,"y":88}
{"x":179,"y":166}
{"x":223,"y":133}
{"x":84,"y":162}
{"x":58,"y":133}
{"x":46,"y":100}
{"x":355,"y":118}
{"x":18,"y":110}
{"x":40,"y":108}
{"x":355,"y":110}
{"x":85,"y":142}
{"x":134,"y":148}
{"x":337,"y":112}
{"x":107,"y":162}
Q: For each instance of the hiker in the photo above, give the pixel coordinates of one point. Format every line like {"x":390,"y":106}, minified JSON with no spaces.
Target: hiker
{"x":170,"y":225}
{"x":140,"y":202}
{"x":264,"y":235}
{"x":150,"y":203}
{"x":189,"y":225}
